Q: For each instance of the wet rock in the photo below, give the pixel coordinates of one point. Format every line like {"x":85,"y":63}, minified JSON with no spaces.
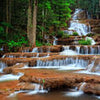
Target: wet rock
{"x":26,"y":86}
{"x":9,"y":70}
{"x":27,"y":55}
{"x":56,"y":48}
{"x":92,"y":88}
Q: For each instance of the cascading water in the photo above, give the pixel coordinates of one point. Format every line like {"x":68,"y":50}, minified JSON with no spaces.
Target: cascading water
{"x":2,"y":66}
{"x":35,"y":50}
{"x":76,"y":26}
{"x":30,"y":92}
{"x":75,"y":92}
{"x":55,"y":41}
{"x":64,"y":64}
{"x":79,"y":50}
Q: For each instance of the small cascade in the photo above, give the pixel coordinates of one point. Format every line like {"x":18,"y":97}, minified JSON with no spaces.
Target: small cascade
{"x":79,"y":50}
{"x":10,"y":77}
{"x":55,"y":41}
{"x":82,"y":86}
{"x":92,"y":40}
{"x":38,"y":89}
{"x":75,"y":92}
{"x":35,"y":50}
{"x":91,"y":69}
{"x":2,"y":66}
{"x":30,"y":92}
{"x":3,"y":56}
{"x":90,"y":66}
{"x":68,"y":52}
{"x":37,"y":55}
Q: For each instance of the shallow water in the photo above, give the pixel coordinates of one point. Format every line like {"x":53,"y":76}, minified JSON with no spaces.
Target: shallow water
{"x":54,"y":95}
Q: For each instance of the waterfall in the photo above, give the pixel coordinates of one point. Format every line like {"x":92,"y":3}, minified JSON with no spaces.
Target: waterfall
{"x":75,"y":92}
{"x":64,"y":64}
{"x":2,"y":66}
{"x":55,"y":41}
{"x":38,"y":89}
{"x":35,"y":50}
{"x":9,"y":77}
{"x":68,"y":52}
{"x":76,"y":26}
{"x":78,"y":49}
{"x":82,"y":86}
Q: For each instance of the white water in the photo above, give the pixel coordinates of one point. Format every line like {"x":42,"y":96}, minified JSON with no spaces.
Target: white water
{"x":2,"y":66}
{"x":30,"y":92}
{"x":92,"y":40}
{"x":35,"y":50}
{"x":89,"y":68}
{"x":55,"y":41}
{"x":64,"y":64}
{"x":75,"y":26}
{"x":37,"y":90}
{"x":68,"y":52}
{"x":78,"y":50}
{"x":10,"y":77}
{"x":75,"y":93}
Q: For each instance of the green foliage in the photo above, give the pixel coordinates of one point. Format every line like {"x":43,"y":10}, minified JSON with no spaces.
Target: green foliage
{"x":90,"y":35}
{"x":16,"y":44}
{"x":75,"y":34}
{"x":47,"y":44}
{"x":85,"y":42}
{"x":53,"y":33}
{"x":60,"y":33}
{"x":66,"y":35}
{"x":38,"y":43}
{"x":39,"y":37}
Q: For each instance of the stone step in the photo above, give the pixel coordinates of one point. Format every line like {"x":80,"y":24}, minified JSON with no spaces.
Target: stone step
{"x":27,"y":55}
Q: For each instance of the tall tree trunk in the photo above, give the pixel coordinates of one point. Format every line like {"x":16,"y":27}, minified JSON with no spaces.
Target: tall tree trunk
{"x":34,"y":22}
{"x":29,"y":22}
{"x":7,"y":15}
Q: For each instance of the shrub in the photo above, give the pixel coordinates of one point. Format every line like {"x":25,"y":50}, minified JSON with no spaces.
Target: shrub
{"x":66,"y":36}
{"x":85,"y":42}
{"x":60,"y":33}
{"x":38,"y":43}
{"x":90,"y":34}
{"x":16,"y":44}
{"x":48,"y":44}
{"x":75,"y":34}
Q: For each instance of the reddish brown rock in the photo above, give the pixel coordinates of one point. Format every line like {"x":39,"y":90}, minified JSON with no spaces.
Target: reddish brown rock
{"x":9,"y":70}
{"x":92,"y":88}
{"x":26,"y":86}
{"x":27,"y":55}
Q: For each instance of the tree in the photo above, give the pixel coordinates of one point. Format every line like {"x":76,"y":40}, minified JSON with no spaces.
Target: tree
{"x":34,"y":22}
{"x":29,"y":22}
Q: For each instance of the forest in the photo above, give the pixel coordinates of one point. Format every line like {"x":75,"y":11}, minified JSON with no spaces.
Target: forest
{"x":25,"y":22}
